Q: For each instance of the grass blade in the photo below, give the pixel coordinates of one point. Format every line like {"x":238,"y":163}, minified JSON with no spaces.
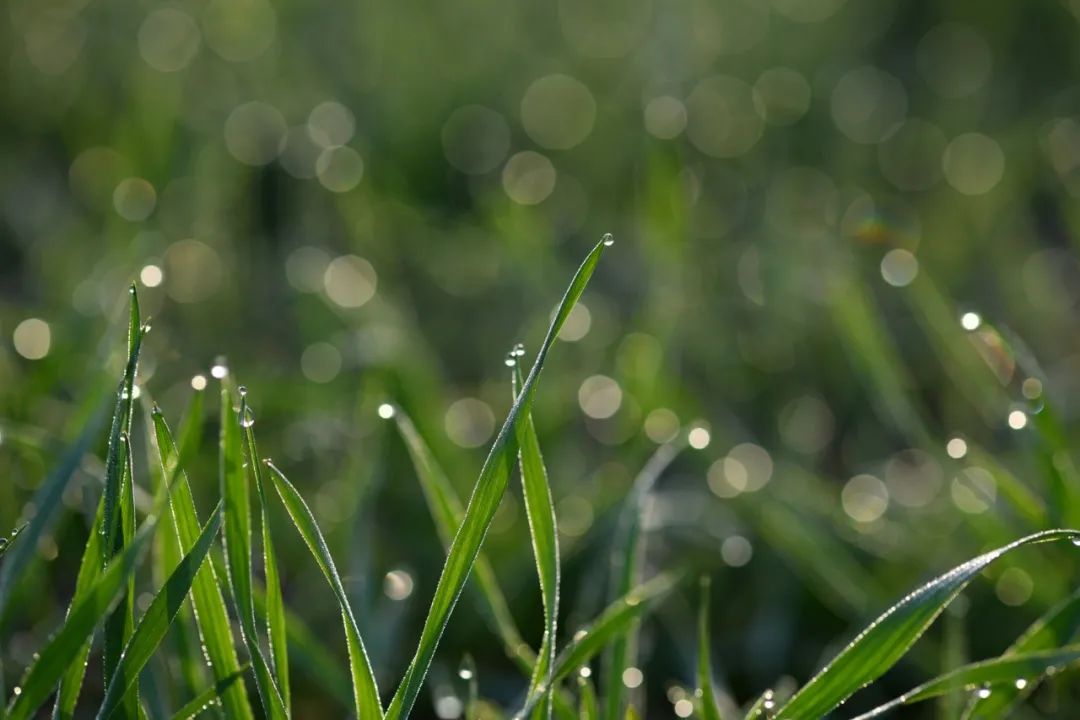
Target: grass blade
{"x":706,"y":693}
{"x":120,"y":626}
{"x":235,"y":493}
{"x":211,"y":615}
{"x":1001,"y":671}
{"x":588,"y":709}
{"x":888,"y":638}
{"x":209,"y":696}
{"x":365,"y":691}
{"x":155,"y":622}
{"x":485,"y":499}
{"x":540,"y":513}
{"x":54,"y":659}
{"x":6,"y":543}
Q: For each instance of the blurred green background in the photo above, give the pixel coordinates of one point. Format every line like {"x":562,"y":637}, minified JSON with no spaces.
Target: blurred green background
{"x":845,"y":254}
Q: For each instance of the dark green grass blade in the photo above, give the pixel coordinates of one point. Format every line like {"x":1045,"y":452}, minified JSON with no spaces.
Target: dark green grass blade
{"x":447,"y":512}
{"x":1054,"y":628}
{"x":55,"y":658}
{"x":888,"y":638}
{"x":208,"y":697}
{"x":986,"y":675}
{"x":485,"y":499}
{"x":545,"y":540}
{"x":211,"y":615}
{"x":236,"y":495}
{"x":365,"y":691}
{"x":708,"y":708}
{"x":275,"y":603}
{"x":627,"y":547}
{"x":155,"y":622}
{"x":615,"y":621}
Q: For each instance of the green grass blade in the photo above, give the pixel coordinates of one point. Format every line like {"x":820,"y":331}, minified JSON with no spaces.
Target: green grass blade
{"x":236,"y":495}
{"x":1002,"y":671}
{"x":275,"y":603}
{"x":888,"y":638}
{"x":55,"y":658}
{"x":120,"y":626}
{"x":155,"y":622}
{"x":447,"y":512}
{"x":211,"y":615}
{"x":365,"y":691}
{"x":487,"y":494}
{"x":208,"y":697}
{"x":588,"y":708}
{"x":540,"y":513}
{"x":708,"y":708}
{"x":615,"y":621}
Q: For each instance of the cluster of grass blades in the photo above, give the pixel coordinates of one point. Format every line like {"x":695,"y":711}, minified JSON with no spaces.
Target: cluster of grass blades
{"x":557,"y":679}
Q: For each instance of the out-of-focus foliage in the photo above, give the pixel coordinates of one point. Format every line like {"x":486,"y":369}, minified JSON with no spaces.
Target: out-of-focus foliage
{"x":846,"y":257}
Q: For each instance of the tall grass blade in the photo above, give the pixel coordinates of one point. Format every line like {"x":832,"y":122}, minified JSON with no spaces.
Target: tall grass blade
{"x":121,"y":624}
{"x":485,"y":499}
{"x":236,"y":495}
{"x":540,"y":513}
{"x":365,"y":691}
{"x":588,"y":708}
{"x":706,"y":693}
{"x":1005,"y":671}
{"x":208,"y":697}
{"x":155,"y":622}
{"x":889,"y":637}
{"x":211,"y":615}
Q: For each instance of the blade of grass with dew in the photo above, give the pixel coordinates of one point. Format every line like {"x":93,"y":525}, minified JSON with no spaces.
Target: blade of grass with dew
{"x":540,"y":513}
{"x":211,"y":616}
{"x":447,"y":512}
{"x":54,"y":659}
{"x":365,"y":691}
{"x":1056,"y":627}
{"x":985,"y":675}
{"x":237,"y":535}
{"x":626,"y":571}
{"x":275,"y":603}
{"x":6,"y":542}
{"x":706,"y":693}
{"x":613,"y":622}
{"x":208,"y":697}
{"x":762,"y":707}
{"x":120,"y":625}
{"x":588,"y":708}
{"x":887,"y":639}
{"x":487,"y":494}
{"x":155,"y":622}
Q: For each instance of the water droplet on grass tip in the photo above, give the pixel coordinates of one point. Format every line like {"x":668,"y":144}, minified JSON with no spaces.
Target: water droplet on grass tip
{"x":608,"y":239}
{"x":510,"y":360}
{"x":386,"y":411}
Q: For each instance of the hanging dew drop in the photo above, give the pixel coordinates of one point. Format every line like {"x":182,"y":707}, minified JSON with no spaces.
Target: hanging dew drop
{"x":386,"y":411}
{"x":247,"y":419}
{"x":1076,"y":541}
{"x":519,"y":350}
{"x":465,"y":674}
{"x":608,"y":239}
{"x":242,"y":390}
{"x":983,"y":692}
{"x":510,"y":361}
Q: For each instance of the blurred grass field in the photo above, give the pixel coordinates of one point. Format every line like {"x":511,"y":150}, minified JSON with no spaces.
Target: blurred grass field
{"x":845,"y":269}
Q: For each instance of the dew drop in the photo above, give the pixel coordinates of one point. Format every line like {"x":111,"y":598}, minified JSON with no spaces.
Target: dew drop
{"x":1076,"y":541}
{"x":510,"y":360}
{"x":608,"y":239}
{"x":242,"y":390}
{"x":198,"y":382}
{"x":1021,"y":683}
{"x":465,"y":674}
{"x":247,"y":419}
{"x":18,"y":690}
{"x":519,"y":350}
{"x":386,"y":411}
{"x":983,"y":692}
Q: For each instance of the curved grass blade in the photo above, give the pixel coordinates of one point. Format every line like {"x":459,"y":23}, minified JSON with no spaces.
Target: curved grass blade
{"x":211,"y":616}
{"x":365,"y":691}
{"x":275,"y":603}
{"x":155,"y":622}
{"x":208,"y":697}
{"x":103,"y":594}
{"x":485,"y":499}
{"x":616,"y":620}
{"x":540,"y":513}
{"x":706,"y":693}
{"x":1000,"y":671}
{"x":888,"y":638}
{"x":626,"y":571}
{"x":447,"y":512}
{"x":237,"y":535}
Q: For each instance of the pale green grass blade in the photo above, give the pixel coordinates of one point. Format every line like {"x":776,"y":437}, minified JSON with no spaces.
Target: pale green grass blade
{"x":540,"y":512}
{"x":211,"y":615}
{"x":447,"y":512}
{"x":54,"y":659}
{"x":626,"y":571}
{"x":485,"y":499}
{"x":155,"y":622}
{"x":236,"y":495}
{"x":986,"y":675}
{"x":889,"y":637}
{"x":275,"y":603}
{"x":365,"y":691}
{"x":707,"y":706}
{"x":209,"y":697}
{"x":588,"y":708}
{"x":615,"y":621}
{"x":1056,"y":627}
